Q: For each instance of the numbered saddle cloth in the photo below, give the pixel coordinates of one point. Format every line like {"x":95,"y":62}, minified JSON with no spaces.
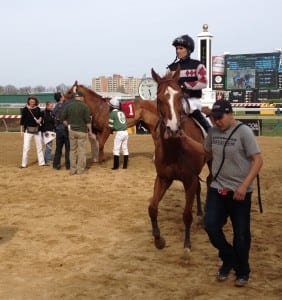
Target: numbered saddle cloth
{"x":128,"y":108}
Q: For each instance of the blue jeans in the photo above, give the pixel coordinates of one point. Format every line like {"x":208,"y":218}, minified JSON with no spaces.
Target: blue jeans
{"x":218,"y":209}
{"x":48,"y":151}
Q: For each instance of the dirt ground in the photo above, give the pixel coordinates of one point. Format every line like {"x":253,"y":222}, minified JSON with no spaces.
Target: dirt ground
{"x":89,"y":236}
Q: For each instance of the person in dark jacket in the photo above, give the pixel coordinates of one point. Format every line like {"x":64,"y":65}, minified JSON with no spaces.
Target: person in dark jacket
{"x":193,"y":78}
{"x":62,"y":134}
{"x":48,"y":128}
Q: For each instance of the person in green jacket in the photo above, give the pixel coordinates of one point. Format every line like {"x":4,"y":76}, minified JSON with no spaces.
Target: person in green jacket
{"x":76,"y":116}
{"x":117,"y":122}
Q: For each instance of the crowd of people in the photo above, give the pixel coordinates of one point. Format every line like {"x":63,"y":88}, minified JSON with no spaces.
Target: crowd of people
{"x":236,"y":156}
{"x":69,"y":124}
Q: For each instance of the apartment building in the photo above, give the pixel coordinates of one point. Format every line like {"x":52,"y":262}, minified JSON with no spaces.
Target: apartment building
{"x":116,"y":83}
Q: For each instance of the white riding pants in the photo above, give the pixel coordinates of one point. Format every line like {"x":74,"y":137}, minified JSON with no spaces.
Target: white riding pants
{"x":121,"y":143}
{"x":194,"y":103}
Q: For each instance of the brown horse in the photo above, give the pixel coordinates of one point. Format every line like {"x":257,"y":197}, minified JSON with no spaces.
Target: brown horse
{"x":179,"y":153}
{"x":145,"y":110}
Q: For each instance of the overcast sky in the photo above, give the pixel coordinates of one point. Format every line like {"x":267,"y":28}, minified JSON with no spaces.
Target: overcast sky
{"x":49,"y":42}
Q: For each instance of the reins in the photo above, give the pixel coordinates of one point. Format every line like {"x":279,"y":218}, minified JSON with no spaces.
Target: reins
{"x":182,"y":119}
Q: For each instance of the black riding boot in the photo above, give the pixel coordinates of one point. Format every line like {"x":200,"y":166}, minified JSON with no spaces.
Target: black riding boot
{"x":201,"y":119}
{"x":116,"y":162}
{"x":125,"y":161}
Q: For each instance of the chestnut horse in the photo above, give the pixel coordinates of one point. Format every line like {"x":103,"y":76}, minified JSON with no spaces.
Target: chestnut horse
{"x":145,"y":110}
{"x":179,"y":153}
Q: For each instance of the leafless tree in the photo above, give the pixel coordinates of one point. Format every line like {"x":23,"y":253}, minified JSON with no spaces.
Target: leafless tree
{"x":10,"y":90}
{"x":25,"y":90}
{"x":62,"y":88}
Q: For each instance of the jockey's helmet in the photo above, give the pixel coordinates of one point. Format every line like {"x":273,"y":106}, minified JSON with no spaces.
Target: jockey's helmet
{"x":114,"y":103}
{"x":185,"y":41}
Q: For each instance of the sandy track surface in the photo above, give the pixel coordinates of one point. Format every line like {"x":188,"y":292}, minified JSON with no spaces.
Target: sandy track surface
{"x":89,"y":236}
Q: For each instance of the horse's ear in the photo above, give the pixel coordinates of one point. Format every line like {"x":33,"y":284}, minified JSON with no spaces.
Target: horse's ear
{"x":74,"y":87}
{"x":176,"y":74}
{"x":155,"y":76}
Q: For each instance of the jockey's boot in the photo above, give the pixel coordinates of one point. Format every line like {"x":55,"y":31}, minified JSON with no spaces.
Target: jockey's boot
{"x":125,"y":161}
{"x":201,"y":119}
{"x":116,"y":162}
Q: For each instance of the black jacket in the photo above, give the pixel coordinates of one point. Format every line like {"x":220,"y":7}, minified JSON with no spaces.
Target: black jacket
{"x":48,"y":120}
{"x":189,"y":73}
{"x":27,"y":116}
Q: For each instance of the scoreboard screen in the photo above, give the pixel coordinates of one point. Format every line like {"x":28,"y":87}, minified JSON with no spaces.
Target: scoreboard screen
{"x":249,"y":71}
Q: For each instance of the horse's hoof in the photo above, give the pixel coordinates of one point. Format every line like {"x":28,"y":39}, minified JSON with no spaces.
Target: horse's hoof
{"x":160,"y":243}
{"x":186,"y":254}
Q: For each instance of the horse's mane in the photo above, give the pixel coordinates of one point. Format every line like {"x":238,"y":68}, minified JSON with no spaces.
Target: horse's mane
{"x":93,"y":94}
{"x":168,"y":77}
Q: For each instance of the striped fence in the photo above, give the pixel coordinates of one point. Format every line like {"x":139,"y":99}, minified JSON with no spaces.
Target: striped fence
{"x":10,"y":116}
{"x":261,"y":108}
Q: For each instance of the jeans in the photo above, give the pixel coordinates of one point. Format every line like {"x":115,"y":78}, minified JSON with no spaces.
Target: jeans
{"x":62,"y":138}
{"x":48,"y":151}
{"x":218,"y":209}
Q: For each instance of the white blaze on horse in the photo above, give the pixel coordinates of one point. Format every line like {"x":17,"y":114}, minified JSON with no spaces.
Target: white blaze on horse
{"x":179,"y":153}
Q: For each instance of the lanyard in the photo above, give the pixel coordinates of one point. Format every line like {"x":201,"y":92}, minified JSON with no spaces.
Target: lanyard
{"x":223,"y":150}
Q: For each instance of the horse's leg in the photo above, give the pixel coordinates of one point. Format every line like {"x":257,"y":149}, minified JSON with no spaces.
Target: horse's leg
{"x":160,"y":187}
{"x":190,"y":187}
{"x":102,"y":138}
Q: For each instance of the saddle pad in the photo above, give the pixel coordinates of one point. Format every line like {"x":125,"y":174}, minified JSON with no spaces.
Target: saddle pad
{"x":128,"y":108}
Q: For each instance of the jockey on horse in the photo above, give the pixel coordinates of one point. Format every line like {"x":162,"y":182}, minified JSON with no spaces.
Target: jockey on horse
{"x":193,"y":78}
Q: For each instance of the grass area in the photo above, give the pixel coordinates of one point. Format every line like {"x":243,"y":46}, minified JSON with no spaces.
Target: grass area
{"x":10,"y":111}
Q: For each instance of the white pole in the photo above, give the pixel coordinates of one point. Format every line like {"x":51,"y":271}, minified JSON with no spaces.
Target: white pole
{"x":205,"y":57}
{"x":205,"y":52}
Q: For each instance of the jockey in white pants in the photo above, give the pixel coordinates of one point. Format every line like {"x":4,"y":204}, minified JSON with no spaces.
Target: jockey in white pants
{"x":117,"y":122}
